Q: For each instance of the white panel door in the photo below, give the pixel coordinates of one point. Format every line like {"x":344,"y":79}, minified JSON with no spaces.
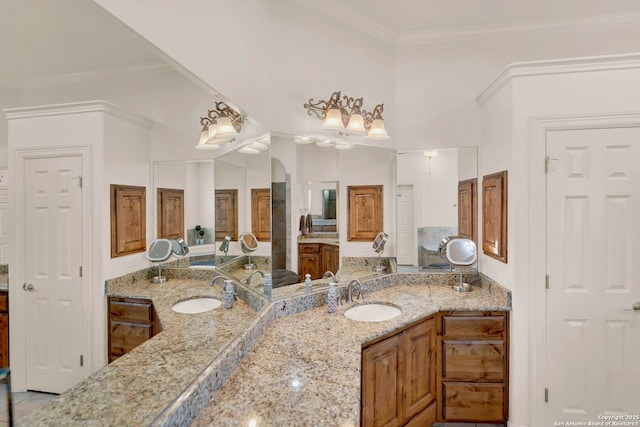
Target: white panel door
{"x":55,"y":317}
{"x":593,"y":262}
{"x":4,"y":225}
{"x":407,"y":248}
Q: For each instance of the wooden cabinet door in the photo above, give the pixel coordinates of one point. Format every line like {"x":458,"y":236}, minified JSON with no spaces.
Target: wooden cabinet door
{"x":226,"y":214}
{"x":419,"y":344}
{"x":128,"y":220}
{"x":382,"y":364}
{"x":170,"y":213}
{"x":330,"y":258}
{"x":309,"y":264}
{"x":261,"y":213}
{"x":467,"y":210}
{"x":365,"y":212}
{"x":494,"y":215}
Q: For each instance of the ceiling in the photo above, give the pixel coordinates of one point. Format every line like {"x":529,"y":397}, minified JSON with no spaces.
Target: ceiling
{"x":44,"y":39}
{"x":396,"y":20}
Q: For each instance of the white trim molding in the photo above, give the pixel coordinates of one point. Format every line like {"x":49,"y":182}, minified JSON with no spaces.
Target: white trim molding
{"x":76,"y":108}
{"x":585,"y":64}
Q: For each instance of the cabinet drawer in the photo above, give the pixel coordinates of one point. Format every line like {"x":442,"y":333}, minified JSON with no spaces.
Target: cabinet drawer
{"x":309,"y":248}
{"x":473,"y":326}
{"x":4,"y":302}
{"x":127,"y":311}
{"x":473,"y":402}
{"x":473,"y":360}
{"x":127,"y":336}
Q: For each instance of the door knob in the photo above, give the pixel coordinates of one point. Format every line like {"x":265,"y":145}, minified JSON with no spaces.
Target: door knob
{"x":634,"y":307}
{"x":28,"y":287}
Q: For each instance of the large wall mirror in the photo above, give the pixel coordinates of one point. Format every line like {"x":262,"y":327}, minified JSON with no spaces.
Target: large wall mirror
{"x":314,"y":179}
{"x":428,"y":209}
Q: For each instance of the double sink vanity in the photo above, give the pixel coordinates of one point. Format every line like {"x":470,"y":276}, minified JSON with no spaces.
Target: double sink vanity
{"x":287,"y":361}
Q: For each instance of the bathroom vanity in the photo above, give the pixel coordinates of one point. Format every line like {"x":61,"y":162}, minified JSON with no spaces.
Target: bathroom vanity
{"x":285,"y":362}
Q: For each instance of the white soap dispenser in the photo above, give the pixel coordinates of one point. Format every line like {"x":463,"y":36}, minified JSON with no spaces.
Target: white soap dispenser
{"x":266,"y":286}
{"x":332,"y":298}
{"x":229,"y":294}
{"x":307,"y":283}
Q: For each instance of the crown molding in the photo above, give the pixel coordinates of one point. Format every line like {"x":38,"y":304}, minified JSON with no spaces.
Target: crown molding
{"x":335,"y":10}
{"x":88,"y":76}
{"x":76,"y":108}
{"x":412,"y":38}
{"x":560,"y":66}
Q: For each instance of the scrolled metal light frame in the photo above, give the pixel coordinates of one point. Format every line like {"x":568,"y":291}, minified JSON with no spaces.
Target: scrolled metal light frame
{"x":222,"y":110}
{"x":347,"y":105}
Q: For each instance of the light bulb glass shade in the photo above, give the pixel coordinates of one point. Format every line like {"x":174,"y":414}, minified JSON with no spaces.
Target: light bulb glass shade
{"x":303,"y":139}
{"x":249,"y":150}
{"x":225,"y":128}
{"x":204,"y":136}
{"x":333,"y":120}
{"x":213,"y":130}
{"x":324,"y":143}
{"x":207,"y":145}
{"x":344,"y":146}
{"x":377,"y":130}
{"x":259,"y":146}
{"x":430,"y":153}
{"x":356,"y":124}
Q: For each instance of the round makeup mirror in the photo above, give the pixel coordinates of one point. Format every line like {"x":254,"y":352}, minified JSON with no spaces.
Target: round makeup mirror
{"x":461,"y":253}
{"x":378,"y":247}
{"x":249,"y":244}
{"x":159,"y":251}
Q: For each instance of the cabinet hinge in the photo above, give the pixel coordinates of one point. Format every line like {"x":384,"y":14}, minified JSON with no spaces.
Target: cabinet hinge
{"x":546,"y":395}
{"x":81,"y":360}
{"x":80,"y":271}
{"x":546,"y":281}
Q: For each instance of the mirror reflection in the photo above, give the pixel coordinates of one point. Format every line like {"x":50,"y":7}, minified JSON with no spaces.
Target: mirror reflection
{"x":431,"y":208}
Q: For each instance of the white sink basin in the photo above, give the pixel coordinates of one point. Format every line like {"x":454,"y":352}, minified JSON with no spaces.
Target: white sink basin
{"x":196,"y":305}
{"x":372,"y":312}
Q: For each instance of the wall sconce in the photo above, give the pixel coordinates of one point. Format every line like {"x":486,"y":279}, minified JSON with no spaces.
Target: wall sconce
{"x":323,"y":142}
{"x":258,"y":145}
{"x":219,"y":125}
{"x":344,"y":113}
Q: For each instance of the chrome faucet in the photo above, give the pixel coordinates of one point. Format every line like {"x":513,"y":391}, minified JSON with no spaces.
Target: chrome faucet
{"x":350,"y":289}
{"x":330,"y":274}
{"x":248,"y":281}
{"x":213,"y":282}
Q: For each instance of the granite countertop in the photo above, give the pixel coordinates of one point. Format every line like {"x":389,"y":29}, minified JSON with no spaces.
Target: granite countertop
{"x":4,"y":281}
{"x":137,"y":387}
{"x":251,"y":362}
{"x":324,"y":240}
{"x":305,"y":370}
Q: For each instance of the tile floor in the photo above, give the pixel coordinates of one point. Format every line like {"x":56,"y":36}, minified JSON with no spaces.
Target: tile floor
{"x":23,"y":403}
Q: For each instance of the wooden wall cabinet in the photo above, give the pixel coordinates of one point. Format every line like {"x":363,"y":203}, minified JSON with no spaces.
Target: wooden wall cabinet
{"x":468,"y":209}
{"x":170,"y":213}
{"x":131,"y":322}
{"x":365,"y":212}
{"x":4,"y":329}
{"x":398,"y":378}
{"x":317,"y":258}
{"x":261,"y":214}
{"x":128,"y":220}
{"x":494,"y":215}
{"x":473,"y":372}
{"x":226,"y":214}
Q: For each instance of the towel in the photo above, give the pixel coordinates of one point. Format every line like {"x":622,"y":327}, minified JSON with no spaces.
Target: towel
{"x":309,"y":223}
{"x":303,"y":227}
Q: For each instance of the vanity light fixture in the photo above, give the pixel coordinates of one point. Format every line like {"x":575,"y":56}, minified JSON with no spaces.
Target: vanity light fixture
{"x":345,"y":114}
{"x":324,"y":142}
{"x":220,"y":125}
